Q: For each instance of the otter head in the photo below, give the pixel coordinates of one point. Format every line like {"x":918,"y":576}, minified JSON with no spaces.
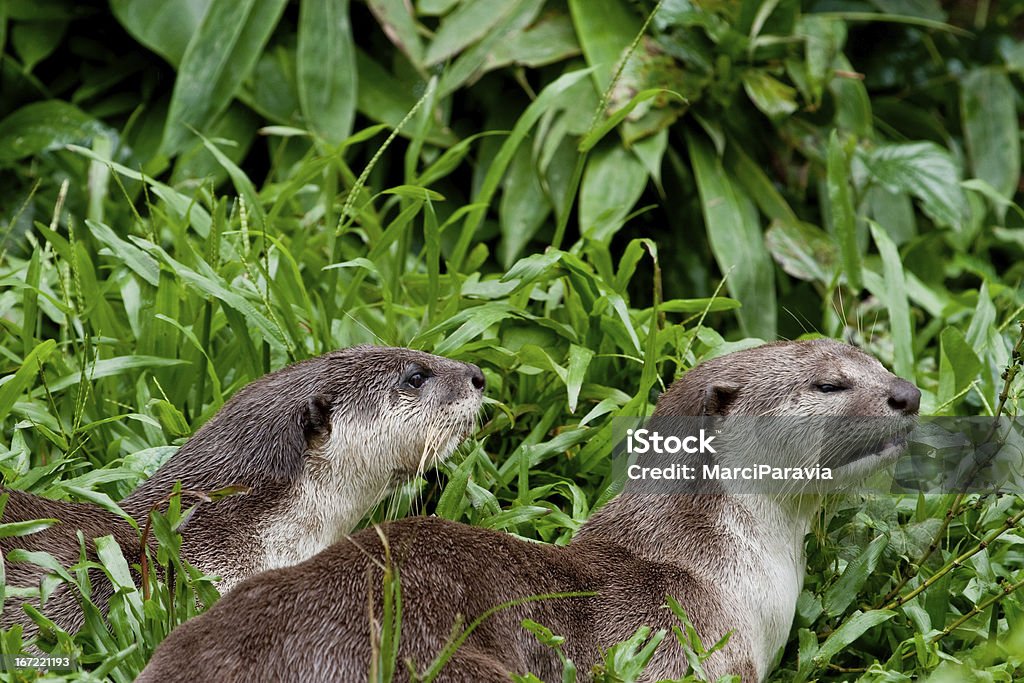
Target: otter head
{"x":392,"y":410}
{"x":800,"y":404}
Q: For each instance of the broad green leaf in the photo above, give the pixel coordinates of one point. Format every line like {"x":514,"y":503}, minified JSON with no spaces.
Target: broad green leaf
{"x":524,"y":206}
{"x":109,"y":367}
{"x":844,"y":220}
{"x":466,"y":25}
{"x":550,"y":39}
{"x":853,"y":105}
{"x":326,"y":63}
{"x":605,"y":28}
{"x":736,"y":241}
{"x":13,"y":385}
{"x":775,"y":99}
{"x":803,"y":250}
{"x":895,"y":297}
{"x":515,"y":16}
{"x":399,"y":23}
{"x":579,"y":361}
{"x":612,"y":184}
{"x":415,"y":192}
{"x":384,"y":98}
{"x":144,"y":265}
{"x":719,"y":303}
{"x":991,"y":129}
{"x":164,"y":27}
{"x":218,"y":58}
{"x":43,"y":126}
{"x":848,"y":632}
{"x":26,"y":528}
{"x":499,"y":165}
{"x":843,"y":592}
{"x":927,"y":172}
{"x":34,"y":41}
{"x":958,"y":364}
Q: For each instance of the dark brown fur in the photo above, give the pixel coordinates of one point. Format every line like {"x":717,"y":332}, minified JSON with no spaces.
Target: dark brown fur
{"x":310,"y":622}
{"x":261,"y":439}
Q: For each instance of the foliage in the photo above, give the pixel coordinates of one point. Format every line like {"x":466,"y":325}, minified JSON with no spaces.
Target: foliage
{"x":199,"y":191}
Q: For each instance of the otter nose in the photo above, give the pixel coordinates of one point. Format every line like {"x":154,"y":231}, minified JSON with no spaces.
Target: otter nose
{"x":904,"y":397}
{"x":476,"y":377}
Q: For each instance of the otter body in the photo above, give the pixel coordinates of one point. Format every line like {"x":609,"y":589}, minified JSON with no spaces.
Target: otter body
{"x":733,"y":560}
{"x":316,"y":444}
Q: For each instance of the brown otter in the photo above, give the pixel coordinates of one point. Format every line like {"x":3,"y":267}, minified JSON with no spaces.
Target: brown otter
{"x":734,"y":561}
{"x":317,"y":444}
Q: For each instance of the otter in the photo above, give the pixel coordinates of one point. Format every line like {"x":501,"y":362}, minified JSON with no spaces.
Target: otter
{"x":316,"y":444}
{"x":734,"y":561}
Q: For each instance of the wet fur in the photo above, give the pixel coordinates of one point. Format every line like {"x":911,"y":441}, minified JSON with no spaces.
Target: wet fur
{"x":317,"y":443}
{"x":735,"y":563}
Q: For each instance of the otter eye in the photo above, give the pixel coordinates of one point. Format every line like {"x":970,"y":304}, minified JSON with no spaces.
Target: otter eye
{"x":416,"y":379}
{"x":826,"y":388}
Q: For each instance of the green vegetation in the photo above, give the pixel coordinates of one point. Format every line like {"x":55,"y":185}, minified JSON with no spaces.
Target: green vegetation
{"x":195,"y":192}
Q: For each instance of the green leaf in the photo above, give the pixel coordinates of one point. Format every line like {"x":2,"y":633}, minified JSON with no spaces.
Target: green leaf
{"x":13,"y":385}
{"x":927,"y":172}
{"x":25,"y":528}
{"x":775,"y":99}
{"x":991,"y":129}
{"x":849,"y":631}
{"x":844,"y":220}
{"x":598,"y":133}
{"x":399,"y":23}
{"x":386,"y":99}
{"x":109,"y":367}
{"x":843,"y":592}
{"x":326,"y":63}
{"x":803,"y":250}
{"x":605,"y":28}
{"x":546,"y":99}
{"x":524,"y":206}
{"x":144,"y":265}
{"x":218,"y":59}
{"x":34,"y":41}
{"x":579,"y":360}
{"x":43,"y":126}
{"x":895,"y":297}
{"x":466,"y":25}
{"x":612,"y":184}
{"x":472,"y":322}
{"x":548,"y":40}
{"x":736,"y":242}
{"x":958,"y":364}
{"x":415,"y":192}
{"x":164,"y":27}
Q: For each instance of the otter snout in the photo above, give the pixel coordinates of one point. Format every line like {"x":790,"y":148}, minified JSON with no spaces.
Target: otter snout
{"x":476,"y":377}
{"x":904,"y":397}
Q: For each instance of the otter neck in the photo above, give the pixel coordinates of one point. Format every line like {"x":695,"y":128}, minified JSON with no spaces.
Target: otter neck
{"x":341,"y":479}
{"x":749,"y":546}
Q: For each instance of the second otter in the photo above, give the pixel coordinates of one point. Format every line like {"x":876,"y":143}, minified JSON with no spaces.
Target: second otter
{"x":318,"y":443}
{"x":734,"y":561}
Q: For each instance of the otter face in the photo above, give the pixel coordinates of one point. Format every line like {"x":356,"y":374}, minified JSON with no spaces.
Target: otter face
{"x":393,"y":410}
{"x":800,"y":404}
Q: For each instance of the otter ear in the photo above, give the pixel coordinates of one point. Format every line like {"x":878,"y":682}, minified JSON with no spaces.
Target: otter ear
{"x":718,"y":399}
{"x":316,"y":417}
